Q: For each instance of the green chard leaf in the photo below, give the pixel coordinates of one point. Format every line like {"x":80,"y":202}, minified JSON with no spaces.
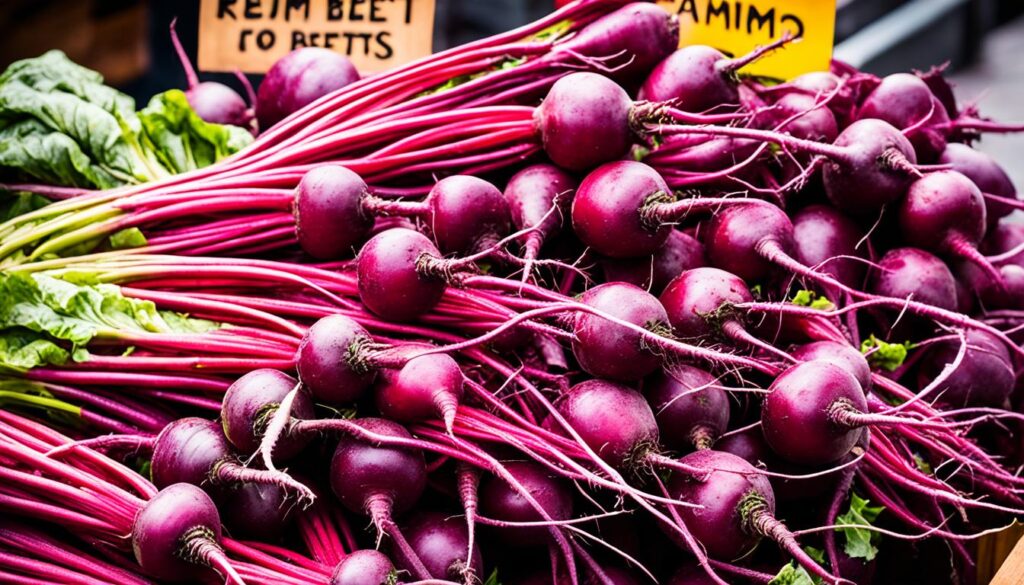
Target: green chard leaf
{"x":809,"y":298}
{"x":493,"y":578}
{"x":181,"y":140}
{"x":60,"y":124}
{"x":14,"y":204}
{"x":793,"y":574}
{"x":860,"y":543}
{"x":78,"y":313}
{"x":105,"y":137}
{"x":127,"y":238}
{"x":21,"y":350}
{"x":882,"y":354}
{"x":54,"y":72}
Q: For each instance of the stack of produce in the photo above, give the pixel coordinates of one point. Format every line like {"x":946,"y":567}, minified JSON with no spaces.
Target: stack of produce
{"x":564,"y":305}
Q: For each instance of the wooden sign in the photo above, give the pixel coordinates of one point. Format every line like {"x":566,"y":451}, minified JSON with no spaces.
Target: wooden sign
{"x":251,"y":35}
{"x":736,"y":27}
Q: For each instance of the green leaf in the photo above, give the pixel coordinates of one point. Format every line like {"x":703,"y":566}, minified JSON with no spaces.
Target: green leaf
{"x":860,"y":542}
{"x":104,"y":137}
{"x":882,"y":354}
{"x":46,"y":155}
{"x":809,"y":298}
{"x":127,"y":238}
{"x":21,"y":350}
{"x":14,"y":204}
{"x":793,"y":574}
{"x":53,"y":72}
{"x":78,"y":313}
{"x":181,"y":140}
{"x":60,"y":124}
{"x":493,"y":578}
{"x":921,"y":464}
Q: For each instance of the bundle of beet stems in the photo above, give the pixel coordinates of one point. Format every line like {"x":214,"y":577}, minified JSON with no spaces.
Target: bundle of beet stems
{"x":505,"y":378}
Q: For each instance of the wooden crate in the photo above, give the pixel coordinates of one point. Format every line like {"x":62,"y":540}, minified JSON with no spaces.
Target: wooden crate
{"x":1000,"y":557}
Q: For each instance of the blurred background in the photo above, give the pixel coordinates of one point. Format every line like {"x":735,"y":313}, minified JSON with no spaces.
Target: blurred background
{"x":983,"y":40}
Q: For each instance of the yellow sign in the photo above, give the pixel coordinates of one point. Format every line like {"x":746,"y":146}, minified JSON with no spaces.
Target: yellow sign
{"x":252,"y":34}
{"x":736,"y":27}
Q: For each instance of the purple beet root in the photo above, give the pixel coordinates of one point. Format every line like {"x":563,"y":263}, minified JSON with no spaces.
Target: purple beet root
{"x":364,"y":567}
{"x":607,"y":350}
{"x":606,"y":211}
{"x":799,"y":416}
{"x":905,"y":101}
{"x":442,"y":542}
{"x":679,"y":253}
{"x":324,"y":360}
{"x":499,"y":501}
{"x":690,"y":406}
{"x":466,"y":214}
{"x":256,"y":512}
{"x":613,"y":420}
{"x":584,"y":121}
{"x":245,"y":415}
{"x":1003,"y":237}
{"x":693,"y":297}
{"x":912,"y":272}
{"x":390,"y":283}
{"x":843,"y":355}
{"x":329,"y":221}
{"x":821,"y":234}
{"x":984,"y":378}
{"x":298,"y":79}
{"x":875,"y":154}
{"x":177,"y":531}
{"x":986,"y":173}
{"x":732,"y":485}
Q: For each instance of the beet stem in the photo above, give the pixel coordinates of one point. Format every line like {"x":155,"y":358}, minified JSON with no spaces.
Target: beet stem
{"x":279,"y":420}
{"x":199,"y":546}
{"x":734,"y":65}
{"x":378,"y":506}
{"x":761,"y":521}
{"x":186,"y":64}
{"x":230,"y":472}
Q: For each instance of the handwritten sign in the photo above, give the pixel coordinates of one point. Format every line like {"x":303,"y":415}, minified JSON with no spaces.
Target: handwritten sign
{"x":736,"y":27}
{"x":252,"y":34}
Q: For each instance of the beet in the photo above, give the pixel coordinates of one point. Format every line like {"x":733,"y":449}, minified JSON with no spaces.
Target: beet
{"x":691,"y":408}
{"x":613,"y":420}
{"x":607,"y":350}
{"x":985,"y":377}
{"x":498,"y":500}
{"x":298,"y":79}
{"x":584,"y":121}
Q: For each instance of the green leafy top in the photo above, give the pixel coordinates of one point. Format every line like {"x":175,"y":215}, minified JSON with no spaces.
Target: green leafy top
{"x":860,"y":542}
{"x":21,"y":350}
{"x":61,"y":125}
{"x":493,"y":578}
{"x":809,"y":298}
{"x":793,"y":574}
{"x":78,"y":313}
{"x":181,"y":140}
{"x":882,"y":354}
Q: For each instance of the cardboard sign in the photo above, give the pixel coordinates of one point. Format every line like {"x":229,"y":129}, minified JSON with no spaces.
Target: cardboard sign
{"x":252,"y":34}
{"x":736,"y":27}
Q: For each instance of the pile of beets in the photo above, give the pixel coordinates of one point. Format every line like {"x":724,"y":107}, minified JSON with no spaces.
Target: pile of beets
{"x":565,"y":305}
